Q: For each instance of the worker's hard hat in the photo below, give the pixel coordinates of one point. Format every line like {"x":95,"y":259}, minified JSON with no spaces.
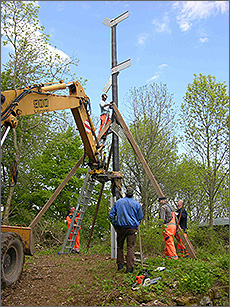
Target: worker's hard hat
{"x":104,"y":96}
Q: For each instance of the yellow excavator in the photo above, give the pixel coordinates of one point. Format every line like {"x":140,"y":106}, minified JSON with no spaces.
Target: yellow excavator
{"x":16,"y":242}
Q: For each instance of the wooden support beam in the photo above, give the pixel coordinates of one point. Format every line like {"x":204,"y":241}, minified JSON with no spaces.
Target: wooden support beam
{"x":55,"y":194}
{"x":95,"y":214}
{"x":137,"y":151}
{"x":158,"y":190}
{"x":106,"y":127}
{"x":187,"y":243}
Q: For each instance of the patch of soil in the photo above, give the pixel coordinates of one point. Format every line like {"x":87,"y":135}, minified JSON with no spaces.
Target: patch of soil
{"x":70,"y":280}
{"x":82,"y":280}
{"x":60,"y":280}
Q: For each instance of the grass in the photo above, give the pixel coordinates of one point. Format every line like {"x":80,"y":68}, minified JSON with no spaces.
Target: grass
{"x":184,"y":277}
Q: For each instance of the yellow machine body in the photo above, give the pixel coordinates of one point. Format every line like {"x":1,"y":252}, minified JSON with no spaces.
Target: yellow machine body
{"x":26,"y":235}
{"x":39,"y":99}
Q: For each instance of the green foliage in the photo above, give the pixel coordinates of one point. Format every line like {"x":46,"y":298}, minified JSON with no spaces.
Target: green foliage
{"x":152,"y":125}
{"x":198,"y":280}
{"x":33,"y":59}
{"x":50,"y":168}
{"x":204,"y":120}
{"x":6,"y":80}
{"x":151,"y":238}
{"x":223,"y":261}
{"x":186,"y":182}
{"x":199,"y":276}
{"x":191,"y":276}
{"x":213,"y":241}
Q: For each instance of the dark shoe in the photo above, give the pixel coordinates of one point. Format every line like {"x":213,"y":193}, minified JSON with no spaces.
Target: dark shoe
{"x":129,"y":270}
{"x":120,"y":266}
{"x":75,"y":251}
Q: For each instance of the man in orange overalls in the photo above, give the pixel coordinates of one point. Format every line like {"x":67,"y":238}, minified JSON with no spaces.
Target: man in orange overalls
{"x":168,"y":224}
{"x":76,"y":246}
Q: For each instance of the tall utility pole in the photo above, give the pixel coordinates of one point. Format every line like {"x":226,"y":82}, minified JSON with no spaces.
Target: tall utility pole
{"x":115,"y":71}
{"x":115,"y":140}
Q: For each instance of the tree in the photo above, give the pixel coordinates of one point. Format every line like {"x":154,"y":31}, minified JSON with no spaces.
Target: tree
{"x":47,"y":170}
{"x":151,"y":124}
{"x":204,"y":120}
{"x":185,"y":181}
{"x":32,"y":60}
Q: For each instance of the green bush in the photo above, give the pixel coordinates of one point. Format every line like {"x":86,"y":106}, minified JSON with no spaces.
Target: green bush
{"x":213,"y":241}
{"x":151,"y":238}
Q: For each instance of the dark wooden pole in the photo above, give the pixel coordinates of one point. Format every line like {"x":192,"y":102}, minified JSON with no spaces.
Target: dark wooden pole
{"x":115,"y":140}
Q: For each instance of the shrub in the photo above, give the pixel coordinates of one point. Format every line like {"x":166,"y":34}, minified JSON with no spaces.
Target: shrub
{"x":151,"y":238}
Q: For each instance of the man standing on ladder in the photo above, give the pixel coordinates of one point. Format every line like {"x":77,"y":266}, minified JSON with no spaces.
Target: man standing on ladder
{"x":76,"y":246}
{"x":104,"y":105}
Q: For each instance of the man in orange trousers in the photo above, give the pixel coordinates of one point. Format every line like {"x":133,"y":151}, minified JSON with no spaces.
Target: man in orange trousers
{"x":168,"y":224}
{"x":76,"y":246}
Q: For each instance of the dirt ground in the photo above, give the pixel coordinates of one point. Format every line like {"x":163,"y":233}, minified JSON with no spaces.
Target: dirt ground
{"x":57,"y":280}
{"x":70,"y":280}
{"x":85,"y":279}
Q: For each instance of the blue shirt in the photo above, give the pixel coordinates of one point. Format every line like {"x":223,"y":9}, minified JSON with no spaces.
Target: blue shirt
{"x":126,"y":213}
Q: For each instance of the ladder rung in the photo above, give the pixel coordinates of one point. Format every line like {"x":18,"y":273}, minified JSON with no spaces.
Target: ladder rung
{"x":85,"y":203}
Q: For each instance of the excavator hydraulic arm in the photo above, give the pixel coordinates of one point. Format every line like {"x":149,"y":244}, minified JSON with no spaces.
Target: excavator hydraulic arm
{"x":38,"y":99}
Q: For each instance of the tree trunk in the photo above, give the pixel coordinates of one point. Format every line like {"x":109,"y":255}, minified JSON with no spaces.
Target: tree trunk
{"x":11,"y":190}
{"x":5,"y":220}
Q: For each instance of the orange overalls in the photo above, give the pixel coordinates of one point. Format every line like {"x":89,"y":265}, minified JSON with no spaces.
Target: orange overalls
{"x":103,"y":118}
{"x":182,"y":252}
{"x":76,"y":246}
{"x":169,"y":232}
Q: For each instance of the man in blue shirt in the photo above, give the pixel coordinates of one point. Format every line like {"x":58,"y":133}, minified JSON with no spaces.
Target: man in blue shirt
{"x":125,"y":216}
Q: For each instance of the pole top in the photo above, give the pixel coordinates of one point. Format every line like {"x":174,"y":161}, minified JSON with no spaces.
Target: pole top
{"x":113,"y":22}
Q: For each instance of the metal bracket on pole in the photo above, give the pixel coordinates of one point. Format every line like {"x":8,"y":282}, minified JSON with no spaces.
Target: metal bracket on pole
{"x":113,"y":22}
{"x":115,"y":69}
{"x":120,"y":66}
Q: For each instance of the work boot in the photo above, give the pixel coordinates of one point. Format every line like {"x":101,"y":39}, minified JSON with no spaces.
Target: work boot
{"x":129,"y":270}
{"x":120,"y":266}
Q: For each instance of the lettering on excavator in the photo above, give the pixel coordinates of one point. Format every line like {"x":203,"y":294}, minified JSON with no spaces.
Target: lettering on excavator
{"x":41,"y":103}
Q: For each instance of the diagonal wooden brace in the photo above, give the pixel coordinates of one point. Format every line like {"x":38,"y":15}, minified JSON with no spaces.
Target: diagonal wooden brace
{"x":137,"y":151}
{"x":157,"y":188}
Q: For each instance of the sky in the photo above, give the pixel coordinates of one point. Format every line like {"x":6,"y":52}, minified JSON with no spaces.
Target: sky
{"x":167,"y":41}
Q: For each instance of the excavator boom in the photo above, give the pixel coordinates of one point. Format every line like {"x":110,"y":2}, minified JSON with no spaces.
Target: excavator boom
{"x":38,"y":99}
